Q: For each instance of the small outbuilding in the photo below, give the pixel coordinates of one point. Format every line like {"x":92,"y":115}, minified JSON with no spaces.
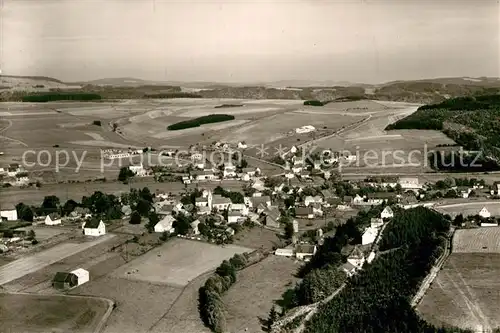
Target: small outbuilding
{"x":94,"y":227}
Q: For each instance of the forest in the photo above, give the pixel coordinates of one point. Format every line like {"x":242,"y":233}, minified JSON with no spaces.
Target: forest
{"x":196,"y":122}
{"x":378,"y":298}
{"x":50,"y":97}
{"x":472,"y":122}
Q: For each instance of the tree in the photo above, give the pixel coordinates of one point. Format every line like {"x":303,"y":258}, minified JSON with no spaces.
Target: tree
{"x":143,"y":207}
{"x":289,"y":230}
{"x":31,"y":235}
{"x":459,"y":219}
{"x":50,"y":204}
{"x":97,"y":122}
{"x":124,"y":174}
{"x":24,"y":212}
{"x":135,"y":218}
{"x":68,"y":207}
{"x":153,"y":220}
{"x":182,"y":224}
{"x":273,"y":317}
{"x":318,"y":284}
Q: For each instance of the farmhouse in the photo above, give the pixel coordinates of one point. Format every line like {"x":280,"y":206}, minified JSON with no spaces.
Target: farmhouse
{"x":258,"y":185}
{"x":94,"y":227}
{"x":241,"y":208}
{"x":409,"y":183}
{"x":387,"y":213}
{"x":311,"y":200}
{"x":380,"y":197}
{"x":271,"y":216}
{"x":201,"y":202}
{"x":137,"y":169}
{"x":305,"y":251}
{"x":369,"y":236}
{"x":484,"y":213}
{"x":358,"y":200}
{"x":9,"y":214}
{"x":235,"y":217}
{"x":205,"y":175}
{"x":304,"y":212}
{"x":254,"y":202}
{"x":229,"y":171}
{"x":356,"y":258}
{"x":285,"y":252}
{"x":52,"y":219}
{"x":165,"y":224}
{"x":65,"y":280}
{"x":219,"y":202}
{"x":252,"y":172}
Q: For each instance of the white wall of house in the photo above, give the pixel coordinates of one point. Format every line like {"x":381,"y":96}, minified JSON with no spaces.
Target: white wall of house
{"x":49,"y":221}
{"x":99,"y":231}
{"x":10,"y":214}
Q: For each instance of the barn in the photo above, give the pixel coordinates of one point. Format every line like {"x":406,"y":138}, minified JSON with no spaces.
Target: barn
{"x":65,"y":280}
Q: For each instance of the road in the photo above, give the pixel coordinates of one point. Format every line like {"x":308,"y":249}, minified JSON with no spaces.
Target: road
{"x":32,"y":263}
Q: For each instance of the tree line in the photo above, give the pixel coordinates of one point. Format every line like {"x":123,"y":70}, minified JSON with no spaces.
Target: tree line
{"x":50,"y":97}
{"x":197,"y":122}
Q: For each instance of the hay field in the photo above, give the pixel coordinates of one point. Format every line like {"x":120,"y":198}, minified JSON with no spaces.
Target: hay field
{"x":265,"y":282}
{"x":466,"y":293}
{"x":485,"y":240}
{"x":470,"y":208}
{"x":44,"y":233}
{"x":37,"y":313}
{"x":177,"y":262}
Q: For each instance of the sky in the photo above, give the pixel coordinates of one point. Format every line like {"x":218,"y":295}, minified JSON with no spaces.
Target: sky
{"x":250,"y":41}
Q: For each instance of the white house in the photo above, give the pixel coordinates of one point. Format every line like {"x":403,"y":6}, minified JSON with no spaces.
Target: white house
{"x":369,"y":236}
{"x":285,"y":252}
{"x":409,"y":183}
{"x":9,"y":214}
{"x":52,"y":219}
{"x":356,"y":258}
{"x":484,"y":213}
{"x":82,"y":275}
{"x":387,"y":213}
{"x":295,"y":225}
{"x":304,"y":212}
{"x":305,"y":251}
{"x":242,"y":145}
{"x":137,"y":169}
{"x":165,"y":224}
{"x":358,"y":200}
{"x":229,"y":171}
{"x":258,"y":185}
{"x":207,"y":174}
{"x":94,"y":227}
{"x":489,"y":224}
{"x":289,"y":175}
{"x":203,"y":201}
{"x":235,"y":217}
{"x":219,"y":202}
{"x":242,"y":208}
{"x":311,"y":200}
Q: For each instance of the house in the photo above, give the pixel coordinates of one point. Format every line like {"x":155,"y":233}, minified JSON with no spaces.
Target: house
{"x":272,"y":215}
{"x":327,"y":174}
{"x":356,"y":258}
{"x":376,"y":222}
{"x":369,"y":236}
{"x":165,"y":224}
{"x":349,"y":269}
{"x":235,"y":217}
{"x":13,"y":169}
{"x":310,"y":200}
{"x":348,"y":199}
{"x":82,"y":276}
{"x":464,"y":191}
{"x":186,"y":179}
{"x":484,"y":213}
{"x":289,"y":175}
{"x":358,"y":200}
{"x":194,"y":226}
{"x":8,"y":214}
{"x":258,"y":185}
{"x":64,"y":281}
{"x":371,"y":256}
{"x":327,"y":194}
{"x":317,"y":209}
{"x":489,"y":224}
{"x":285,"y":252}
{"x":252,"y":172}
{"x":255,"y":201}
{"x":409,"y":183}
{"x":295,"y":225}
{"x":94,"y":227}
{"x":244,"y":177}
{"x":230,"y":231}
{"x":205,"y":175}
{"x":297,"y":169}
{"x":201,"y":202}
{"x":219,"y":202}
{"x":241,"y":208}
{"x":53,"y":219}
{"x":137,"y":169}
{"x":343,"y":207}
{"x":204,"y":210}
{"x":379,"y":198}
{"x":229,"y":171}
{"x":305,"y":251}
{"x":387,"y":213}
{"x":304,"y":212}
{"x":242,"y":145}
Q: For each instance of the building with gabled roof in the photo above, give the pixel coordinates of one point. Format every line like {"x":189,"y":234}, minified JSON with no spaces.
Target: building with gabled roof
{"x":165,"y":224}
{"x":356,"y":258}
{"x":305,"y":251}
{"x":53,"y":219}
{"x":94,"y":227}
{"x":484,"y":213}
{"x":387,"y":213}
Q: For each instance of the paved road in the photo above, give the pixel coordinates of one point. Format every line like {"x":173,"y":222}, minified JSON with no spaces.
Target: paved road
{"x":27,"y":265}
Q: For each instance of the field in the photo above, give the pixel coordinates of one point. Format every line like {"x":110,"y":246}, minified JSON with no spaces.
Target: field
{"x":465,"y":293}
{"x":258,"y":238}
{"x":476,"y":240}
{"x":177,"y":262}
{"x":43,"y":233}
{"x":470,"y":208}
{"x":265,"y":282}
{"x":20,"y":267}
{"x":36,"y":313}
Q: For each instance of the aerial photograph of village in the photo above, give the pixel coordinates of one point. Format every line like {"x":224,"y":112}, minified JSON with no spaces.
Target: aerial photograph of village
{"x":285,"y":166}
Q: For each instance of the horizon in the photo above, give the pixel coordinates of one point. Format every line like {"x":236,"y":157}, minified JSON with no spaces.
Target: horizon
{"x":250,"y":41}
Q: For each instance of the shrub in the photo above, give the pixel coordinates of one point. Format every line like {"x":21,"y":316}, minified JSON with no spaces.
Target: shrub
{"x":42,"y":98}
{"x":135,"y":218}
{"x":313,"y":103}
{"x":97,"y":122}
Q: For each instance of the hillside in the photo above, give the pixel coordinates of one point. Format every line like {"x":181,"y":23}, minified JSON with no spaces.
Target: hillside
{"x":427,"y":91}
{"x":472,"y":122}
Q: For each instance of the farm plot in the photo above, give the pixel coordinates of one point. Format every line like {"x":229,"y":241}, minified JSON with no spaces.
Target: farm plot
{"x":470,"y":208}
{"x":177,"y":262}
{"x":258,"y":238}
{"x":138,"y":304}
{"x":37,"y":313}
{"x":265,"y":281}
{"x":44,"y":233}
{"x":476,"y":240}
{"x":469,"y":289}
